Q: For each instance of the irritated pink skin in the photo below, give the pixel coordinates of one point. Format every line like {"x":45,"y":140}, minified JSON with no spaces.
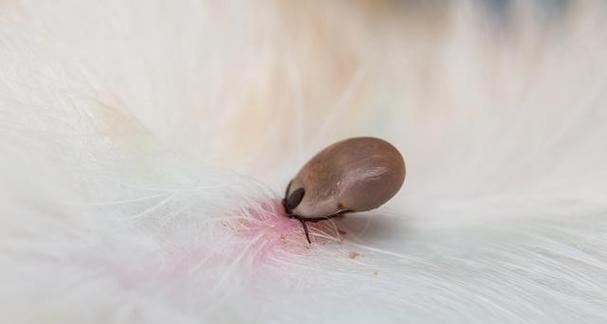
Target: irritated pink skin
{"x":269,"y":226}
{"x":260,"y":234}
{"x":269,"y":223}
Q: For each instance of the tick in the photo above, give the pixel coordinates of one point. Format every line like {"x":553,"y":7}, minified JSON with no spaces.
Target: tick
{"x":353,"y":175}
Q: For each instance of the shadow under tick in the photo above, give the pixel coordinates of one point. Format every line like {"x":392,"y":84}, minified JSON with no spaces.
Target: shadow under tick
{"x":368,"y":228}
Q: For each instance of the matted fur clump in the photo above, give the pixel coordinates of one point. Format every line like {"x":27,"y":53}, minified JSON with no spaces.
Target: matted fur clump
{"x":145,"y":147}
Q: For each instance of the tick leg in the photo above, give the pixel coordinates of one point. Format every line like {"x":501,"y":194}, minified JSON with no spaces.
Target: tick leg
{"x":305,"y":227}
{"x":304,"y":220}
{"x":303,"y":224}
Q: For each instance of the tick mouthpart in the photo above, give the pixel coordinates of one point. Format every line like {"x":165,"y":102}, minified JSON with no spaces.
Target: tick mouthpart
{"x":284,"y":205}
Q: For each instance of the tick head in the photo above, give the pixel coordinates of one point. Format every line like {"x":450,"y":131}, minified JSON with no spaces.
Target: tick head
{"x":292,"y":199}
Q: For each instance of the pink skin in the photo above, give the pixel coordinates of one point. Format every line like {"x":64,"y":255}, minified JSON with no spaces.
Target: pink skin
{"x":266,"y":235}
{"x":270,"y":225}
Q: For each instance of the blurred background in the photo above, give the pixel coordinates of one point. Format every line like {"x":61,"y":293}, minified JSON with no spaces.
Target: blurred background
{"x":130,"y":129}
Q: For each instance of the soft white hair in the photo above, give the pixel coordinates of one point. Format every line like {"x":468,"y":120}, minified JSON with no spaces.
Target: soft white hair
{"x":144,"y":146}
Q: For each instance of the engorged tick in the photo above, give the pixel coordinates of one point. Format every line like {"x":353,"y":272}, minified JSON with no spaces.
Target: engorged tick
{"x":353,"y":175}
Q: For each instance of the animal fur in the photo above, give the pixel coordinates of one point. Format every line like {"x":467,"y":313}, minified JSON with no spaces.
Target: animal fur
{"x":144,"y":146}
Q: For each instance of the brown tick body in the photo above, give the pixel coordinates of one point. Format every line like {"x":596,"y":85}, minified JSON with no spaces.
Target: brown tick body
{"x":353,"y":175}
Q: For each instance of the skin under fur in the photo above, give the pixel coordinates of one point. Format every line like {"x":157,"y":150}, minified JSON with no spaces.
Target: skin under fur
{"x":145,"y":147}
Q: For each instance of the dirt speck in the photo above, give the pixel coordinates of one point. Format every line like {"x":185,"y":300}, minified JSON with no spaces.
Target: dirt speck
{"x":353,"y":255}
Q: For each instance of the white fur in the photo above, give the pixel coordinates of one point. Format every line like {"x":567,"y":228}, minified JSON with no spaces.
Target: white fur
{"x":132,"y":132}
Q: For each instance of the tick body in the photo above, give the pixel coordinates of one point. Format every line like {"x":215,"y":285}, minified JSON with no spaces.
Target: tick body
{"x":353,"y":175}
